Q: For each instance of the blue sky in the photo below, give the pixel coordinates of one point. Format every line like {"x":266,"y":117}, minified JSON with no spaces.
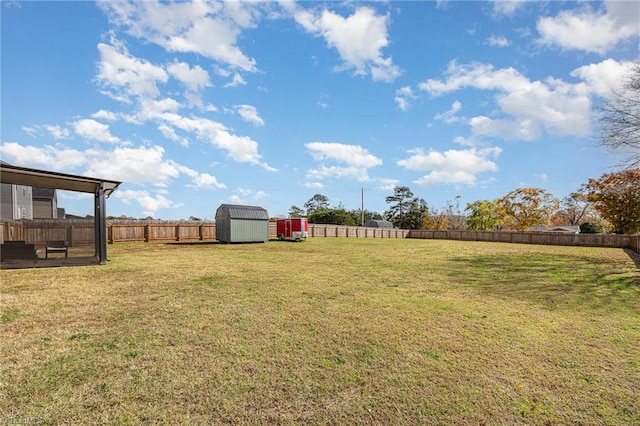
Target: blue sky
{"x":192,"y":105}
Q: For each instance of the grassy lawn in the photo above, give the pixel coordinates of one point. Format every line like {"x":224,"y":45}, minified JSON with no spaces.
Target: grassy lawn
{"x":329,"y":331}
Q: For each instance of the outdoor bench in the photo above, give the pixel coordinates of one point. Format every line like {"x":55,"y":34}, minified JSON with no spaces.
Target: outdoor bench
{"x":18,"y":250}
{"x":56,"y":246}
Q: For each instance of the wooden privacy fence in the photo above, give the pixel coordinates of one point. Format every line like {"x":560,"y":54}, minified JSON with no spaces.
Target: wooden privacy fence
{"x":81,"y":231}
{"x":38,"y":232}
{"x":160,"y":231}
{"x":203,"y":231}
{"x":547,"y":238}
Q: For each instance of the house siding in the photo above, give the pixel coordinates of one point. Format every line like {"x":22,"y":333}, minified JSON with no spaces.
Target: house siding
{"x":15,"y":202}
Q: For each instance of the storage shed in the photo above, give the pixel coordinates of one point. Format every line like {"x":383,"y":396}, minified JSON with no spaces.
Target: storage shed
{"x":378,"y":224}
{"x":242,"y":224}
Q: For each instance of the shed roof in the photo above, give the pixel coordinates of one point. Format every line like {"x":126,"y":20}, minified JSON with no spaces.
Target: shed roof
{"x":375,"y":223}
{"x":245,"y":212}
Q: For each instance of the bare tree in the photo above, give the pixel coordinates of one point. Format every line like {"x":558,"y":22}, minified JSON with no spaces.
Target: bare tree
{"x":620,"y":119}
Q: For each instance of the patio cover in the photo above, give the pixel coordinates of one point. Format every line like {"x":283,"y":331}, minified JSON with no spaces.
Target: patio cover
{"x":101,"y":188}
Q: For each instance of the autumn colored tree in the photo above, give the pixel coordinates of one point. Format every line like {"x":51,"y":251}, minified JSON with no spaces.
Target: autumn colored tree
{"x":436,"y":220}
{"x":574,"y":210}
{"x":616,"y":196}
{"x":482,"y":215}
{"x":525,"y":208}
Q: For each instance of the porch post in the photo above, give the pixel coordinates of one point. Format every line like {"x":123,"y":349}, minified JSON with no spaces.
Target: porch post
{"x":100,"y":226}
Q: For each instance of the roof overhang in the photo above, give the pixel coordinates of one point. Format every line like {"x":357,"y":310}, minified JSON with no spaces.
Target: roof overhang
{"x":44,"y":179}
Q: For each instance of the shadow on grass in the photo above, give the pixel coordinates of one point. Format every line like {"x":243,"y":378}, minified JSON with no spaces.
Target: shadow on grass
{"x":554,"y":281}
{"x":634,"y":256}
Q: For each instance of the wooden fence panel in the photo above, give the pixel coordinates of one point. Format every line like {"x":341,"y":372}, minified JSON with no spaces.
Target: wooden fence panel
{"x":12,"y":231}
{"x":126,"y":232}
{"x":162,"y":232}
{"x":546,"y":238}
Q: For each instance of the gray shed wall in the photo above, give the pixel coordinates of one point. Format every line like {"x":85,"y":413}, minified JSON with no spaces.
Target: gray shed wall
{"x":237,"y":225}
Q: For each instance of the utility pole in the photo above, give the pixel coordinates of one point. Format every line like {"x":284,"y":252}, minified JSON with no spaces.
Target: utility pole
{"x":362,"y":206}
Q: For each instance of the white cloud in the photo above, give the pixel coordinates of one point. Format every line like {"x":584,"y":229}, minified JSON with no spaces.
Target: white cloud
{"x":104,"y":115}
{"x":605,"y":77}
{"x":589,"y":30}
{"x":236,"y":81}
{"x":498,"y":41}
{"x":542,"y":176}
{"x":323,"y":101}
{"x":340,"y":172}
{"x":207,"y":181}
{"x":94,"y":131}
{"x":478,"y":75}
{"x":459,"y":167}
{"x":241,"y":149}
{"x":150,"y":204}
{"x":210,"y":29}
{"x":403,"y":98}
{"x":48,"y":157}
{"x":528,"y":107}
{"x":144,"y":165}
{"x":357,"y":158}
{"x":193,"y":78}
{"x":313,"y":185}
{"x":359,"y":40}
{"x":506,"y":8}
{"x":31,"y":130}
{"x":152,"y":109}
{"x":244,"y":195}
{"x":450,"y":116}
{"x":353,"y":155}
{"x":507,"y":129}
{"x":58,"y":132}
{"x":127,"y":75}
{"x":385,"y":184}
{"x":134,"y":165}
{"x":207,"y":28}
{"x":170,"y":133}
{"x":249,"y":114}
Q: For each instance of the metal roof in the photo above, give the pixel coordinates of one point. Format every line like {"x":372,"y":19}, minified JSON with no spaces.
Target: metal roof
{"x":44,"y":179}
{"x":245,"y":212}
{"x":375,"y":223}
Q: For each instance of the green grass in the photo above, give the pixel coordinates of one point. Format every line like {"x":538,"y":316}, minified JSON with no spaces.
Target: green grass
{"x":329,"y":331}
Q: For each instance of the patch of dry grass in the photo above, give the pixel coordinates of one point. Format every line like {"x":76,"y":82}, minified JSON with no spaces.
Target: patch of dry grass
{"x":329,"y":331}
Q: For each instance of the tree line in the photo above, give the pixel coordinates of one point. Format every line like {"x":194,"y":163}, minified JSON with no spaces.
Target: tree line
{"x":608,"y":204}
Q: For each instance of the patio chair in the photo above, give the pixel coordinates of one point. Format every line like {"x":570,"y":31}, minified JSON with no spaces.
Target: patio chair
{"x":56,"y":246}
